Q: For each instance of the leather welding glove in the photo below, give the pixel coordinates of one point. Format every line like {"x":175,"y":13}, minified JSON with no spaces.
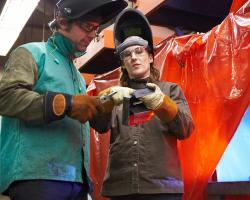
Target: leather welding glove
{"x":80,"y":107}
{"x":84,"y":107}
{"x":117,"y":98}
{"x":164,"y":107}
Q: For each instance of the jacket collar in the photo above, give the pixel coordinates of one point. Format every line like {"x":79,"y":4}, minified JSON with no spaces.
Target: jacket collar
{"x":64,"y":45}
{"x":138,"y":83}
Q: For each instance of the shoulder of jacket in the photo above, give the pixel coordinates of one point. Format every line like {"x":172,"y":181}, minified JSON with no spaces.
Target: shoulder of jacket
{"x":167,"y":84}
{"x":35,"y":48}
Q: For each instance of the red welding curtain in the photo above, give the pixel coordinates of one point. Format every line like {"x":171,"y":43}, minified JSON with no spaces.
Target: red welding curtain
{"x":213,"y":69}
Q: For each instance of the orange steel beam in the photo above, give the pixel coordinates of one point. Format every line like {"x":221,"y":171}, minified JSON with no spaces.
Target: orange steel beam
{"x":148,"y":6}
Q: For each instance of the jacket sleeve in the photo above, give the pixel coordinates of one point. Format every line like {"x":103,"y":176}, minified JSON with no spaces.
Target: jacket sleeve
{"x":101,"y":123}
{"x":182,"y":125}
{"x":16,"y":96}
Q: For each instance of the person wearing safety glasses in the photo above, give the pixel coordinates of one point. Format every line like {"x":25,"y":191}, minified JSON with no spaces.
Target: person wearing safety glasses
{"x":46,"y":110}
{"x":143,"y":159}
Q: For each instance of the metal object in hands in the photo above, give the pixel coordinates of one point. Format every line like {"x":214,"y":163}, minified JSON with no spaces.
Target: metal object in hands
{"x":107,"y":97}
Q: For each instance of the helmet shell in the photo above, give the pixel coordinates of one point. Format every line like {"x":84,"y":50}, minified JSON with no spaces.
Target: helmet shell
{"x":132,"y":22}
{"x":105,"y":9}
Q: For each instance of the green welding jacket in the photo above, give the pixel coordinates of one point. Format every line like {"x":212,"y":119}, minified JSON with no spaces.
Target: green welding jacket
{"x":30,"y":148}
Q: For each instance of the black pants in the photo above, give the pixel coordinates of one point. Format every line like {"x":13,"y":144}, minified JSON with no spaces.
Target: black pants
{"x":149,"y":197}
{"x":47,"y":190}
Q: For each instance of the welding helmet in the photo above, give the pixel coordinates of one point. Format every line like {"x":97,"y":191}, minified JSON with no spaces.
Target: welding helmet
{"x":103,"y":9}
{"x":132,"y":22}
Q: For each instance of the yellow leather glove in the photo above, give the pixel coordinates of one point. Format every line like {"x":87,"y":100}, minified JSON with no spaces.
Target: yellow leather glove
{"x":164,"y":107}
{"x":117,"y":98}
{"x":121,"y":92}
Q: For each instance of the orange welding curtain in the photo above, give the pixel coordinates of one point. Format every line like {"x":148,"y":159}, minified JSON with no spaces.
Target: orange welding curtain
{"x":213,"y":70}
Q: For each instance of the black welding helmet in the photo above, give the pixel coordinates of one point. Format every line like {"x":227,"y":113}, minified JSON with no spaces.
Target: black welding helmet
{"x":132,"y":22}
{"x":103,"y":9}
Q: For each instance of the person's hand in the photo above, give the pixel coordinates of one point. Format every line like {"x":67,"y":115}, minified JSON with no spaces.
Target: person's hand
{"x":121,"y":92}
{"x":164,"y":107}
{"x":84,"y":107}
{"x":154,"y":100}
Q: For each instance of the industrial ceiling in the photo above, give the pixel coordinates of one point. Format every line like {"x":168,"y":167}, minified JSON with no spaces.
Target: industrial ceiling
{"x":183,"y":16}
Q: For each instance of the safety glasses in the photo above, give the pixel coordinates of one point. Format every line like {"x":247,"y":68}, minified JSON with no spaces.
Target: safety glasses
{"x":127,"y":54}
{"x":88,"y":26}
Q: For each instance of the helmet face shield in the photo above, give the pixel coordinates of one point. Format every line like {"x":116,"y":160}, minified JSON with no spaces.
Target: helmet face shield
{"x":131,"y":22}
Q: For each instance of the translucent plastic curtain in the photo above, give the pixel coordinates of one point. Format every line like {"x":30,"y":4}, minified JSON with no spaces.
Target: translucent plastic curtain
{"x":236,"y":5}
{"x":99,"y":143}
{"x":216,"y":80}
{"x":213,"y":69}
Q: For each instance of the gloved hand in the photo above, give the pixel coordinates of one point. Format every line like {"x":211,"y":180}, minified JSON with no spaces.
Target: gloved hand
{"x":154,"y":100}
{"x":164,"y":107}
{"x":117,"y":98}
{"x":80,"y":107}
{"x":120,"y":93}
{"x":84,"y":107}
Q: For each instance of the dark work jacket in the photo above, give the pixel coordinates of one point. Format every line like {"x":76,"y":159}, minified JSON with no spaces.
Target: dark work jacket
{"x":143,"y":159}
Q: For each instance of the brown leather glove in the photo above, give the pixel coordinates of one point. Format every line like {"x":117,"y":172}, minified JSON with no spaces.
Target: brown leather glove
{"x":85,"y":107}
{"x":167,"y":110}
{"x":80,"y":107}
